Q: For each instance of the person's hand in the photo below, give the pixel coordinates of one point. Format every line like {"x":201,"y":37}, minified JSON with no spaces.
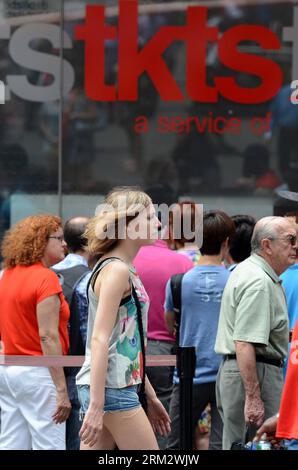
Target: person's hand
{"x":92,"y":426}
{"x":254,"y":410}
{"x":268,"y":428}
{"x":158,"y":417}
{"x":63,"y":408}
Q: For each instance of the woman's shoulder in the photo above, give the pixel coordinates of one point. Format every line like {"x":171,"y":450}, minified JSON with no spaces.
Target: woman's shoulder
{"x":116,"y":269}
{"x":36,"y":269}
{"x":114,"y":277}
{"x":42,"y":273}
{"x":34,"y":276}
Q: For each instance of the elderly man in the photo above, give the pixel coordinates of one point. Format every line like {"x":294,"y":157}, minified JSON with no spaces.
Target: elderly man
{"x":253,"y":331}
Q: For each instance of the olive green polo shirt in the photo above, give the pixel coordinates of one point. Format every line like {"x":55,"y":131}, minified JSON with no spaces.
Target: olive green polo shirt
{"x":253,"y":310}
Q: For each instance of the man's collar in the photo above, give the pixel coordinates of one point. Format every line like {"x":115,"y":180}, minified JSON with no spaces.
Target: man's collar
{"x":260,"y":261}
{"x":70,"y":261}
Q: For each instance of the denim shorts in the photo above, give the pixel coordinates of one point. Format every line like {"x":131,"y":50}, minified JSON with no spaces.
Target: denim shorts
{"x":116,"y":399}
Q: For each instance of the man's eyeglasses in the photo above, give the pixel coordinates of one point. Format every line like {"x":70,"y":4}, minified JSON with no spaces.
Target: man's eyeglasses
{"x":60,"y":238}
{"x":292,"y":239}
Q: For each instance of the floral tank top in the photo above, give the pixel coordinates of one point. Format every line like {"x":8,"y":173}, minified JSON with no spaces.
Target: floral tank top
{"x":125,"y":351}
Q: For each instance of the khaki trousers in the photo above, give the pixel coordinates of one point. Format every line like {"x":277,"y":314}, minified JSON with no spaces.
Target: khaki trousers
{"x":230,"y":397}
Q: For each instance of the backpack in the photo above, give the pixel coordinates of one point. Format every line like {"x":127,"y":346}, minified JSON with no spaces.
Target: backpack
{"x":69,"y":279}
{"x":176,"y":283}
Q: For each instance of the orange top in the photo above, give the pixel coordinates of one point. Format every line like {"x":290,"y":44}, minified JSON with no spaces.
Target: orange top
{"x":21,"y":289}
{"x":288,"y":414}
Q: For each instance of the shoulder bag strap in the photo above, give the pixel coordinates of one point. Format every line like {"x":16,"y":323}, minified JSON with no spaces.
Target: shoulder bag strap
{"x":96,"y":271}
{"x":141,"y":331}
{"x":176,"y":285}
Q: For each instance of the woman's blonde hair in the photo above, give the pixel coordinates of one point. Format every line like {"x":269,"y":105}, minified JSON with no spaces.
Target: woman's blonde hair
{"x":121,"y":205}
{"x":25,"y":243}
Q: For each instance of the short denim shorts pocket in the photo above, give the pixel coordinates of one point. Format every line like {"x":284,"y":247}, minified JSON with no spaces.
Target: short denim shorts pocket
{"x":116,"y":399}
{"x":112,"y":399}
{"x":84,"y":399}
{"x":121,"y":399}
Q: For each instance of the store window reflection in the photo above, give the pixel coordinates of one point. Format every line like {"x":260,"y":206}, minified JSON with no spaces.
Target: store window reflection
{"x":205,"y":162}
{"x":79,"y":126}
{"x":96,"y":145}
{"x":28,"y":159}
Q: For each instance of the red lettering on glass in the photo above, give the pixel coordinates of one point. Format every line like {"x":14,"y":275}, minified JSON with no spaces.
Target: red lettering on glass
{"x":196,"y":34}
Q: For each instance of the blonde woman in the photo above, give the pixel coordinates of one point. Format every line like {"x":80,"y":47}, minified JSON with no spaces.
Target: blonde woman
{"x":112,"y":372}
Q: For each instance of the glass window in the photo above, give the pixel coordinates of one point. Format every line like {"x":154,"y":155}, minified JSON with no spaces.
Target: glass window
{"x":29,"y":131}
{"x":209,"y":119}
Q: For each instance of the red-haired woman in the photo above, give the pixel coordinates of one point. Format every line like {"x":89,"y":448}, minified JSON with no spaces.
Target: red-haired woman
{"x":33,"y":321}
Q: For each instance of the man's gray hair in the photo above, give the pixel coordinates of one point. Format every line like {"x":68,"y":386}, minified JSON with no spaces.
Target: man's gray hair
{"x":264,"y":228}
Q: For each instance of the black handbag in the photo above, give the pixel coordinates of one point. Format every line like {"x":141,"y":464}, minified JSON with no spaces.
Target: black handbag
{"x":250,"y":432}
{"x":141,"y":392}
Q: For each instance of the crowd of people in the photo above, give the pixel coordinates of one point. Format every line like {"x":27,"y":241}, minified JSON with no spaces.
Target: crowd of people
{"x":103,"y":287}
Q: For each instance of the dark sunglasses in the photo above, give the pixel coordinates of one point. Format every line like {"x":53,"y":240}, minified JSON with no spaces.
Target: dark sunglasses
{"x":292,"y":239}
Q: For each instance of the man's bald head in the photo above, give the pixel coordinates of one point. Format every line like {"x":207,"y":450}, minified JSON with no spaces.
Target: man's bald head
{"x":267,"y":227}
{"x":275,"y":240}
{"x":74,"y":230}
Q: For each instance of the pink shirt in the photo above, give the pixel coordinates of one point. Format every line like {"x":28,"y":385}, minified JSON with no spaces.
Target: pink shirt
{"x":155,"y":264}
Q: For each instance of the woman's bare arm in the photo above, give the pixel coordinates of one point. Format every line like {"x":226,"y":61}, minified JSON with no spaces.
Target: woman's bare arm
{"x":110,"y":287}
{"x":47,"y":312}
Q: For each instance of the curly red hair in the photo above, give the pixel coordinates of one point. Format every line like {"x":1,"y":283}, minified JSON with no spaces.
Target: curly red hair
{"x":25,"y":242}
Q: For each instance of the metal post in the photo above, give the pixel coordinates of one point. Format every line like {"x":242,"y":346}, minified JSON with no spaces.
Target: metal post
{"x":186,"y":363}
{"x":60,"y":138}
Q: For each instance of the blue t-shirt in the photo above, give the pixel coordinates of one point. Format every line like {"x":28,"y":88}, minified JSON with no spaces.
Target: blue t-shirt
{"x":290,"y":282}
{"x":202,"y":289}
